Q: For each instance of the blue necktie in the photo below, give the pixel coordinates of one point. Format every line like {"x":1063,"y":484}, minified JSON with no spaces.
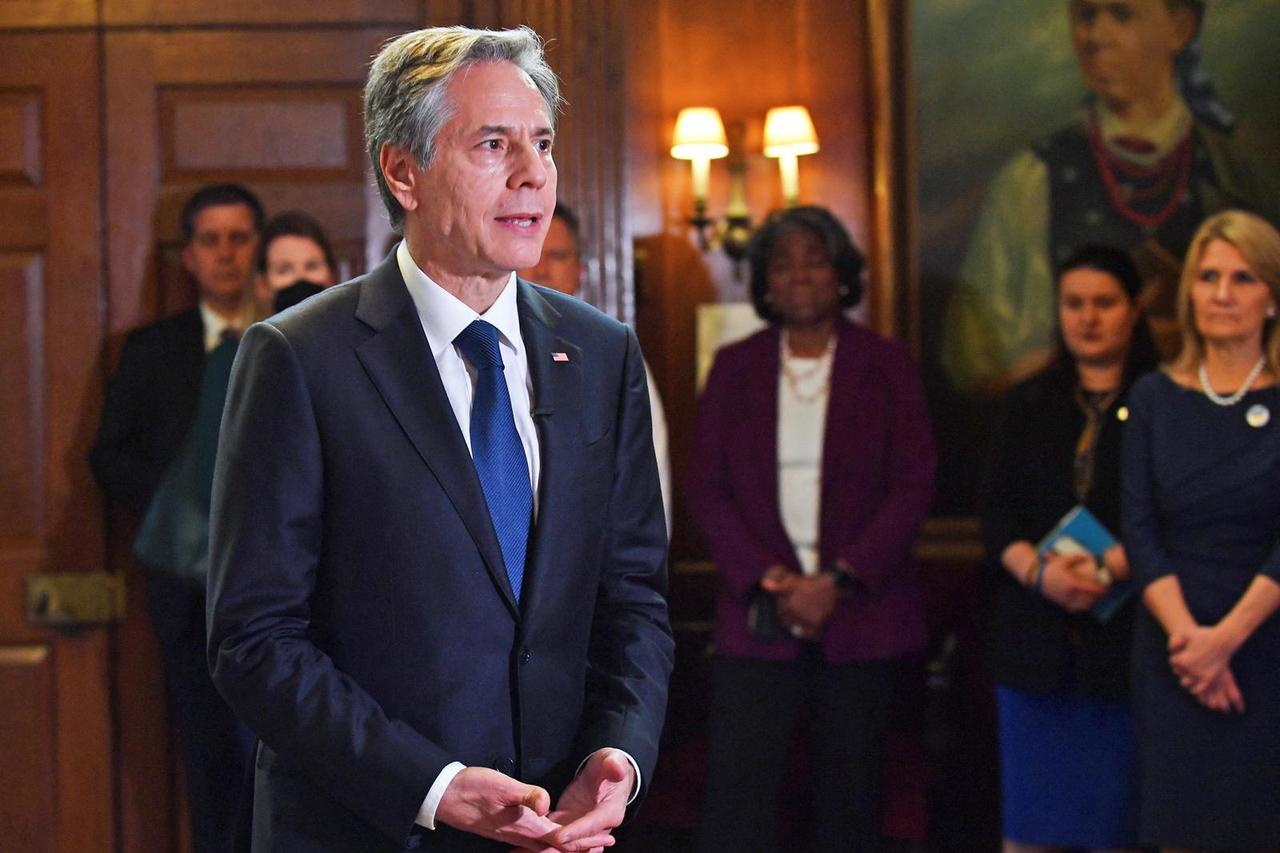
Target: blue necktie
{"x":496,"y":449}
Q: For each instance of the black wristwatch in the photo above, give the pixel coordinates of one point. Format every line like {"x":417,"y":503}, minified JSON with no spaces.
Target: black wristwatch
{"x":845,"y":582}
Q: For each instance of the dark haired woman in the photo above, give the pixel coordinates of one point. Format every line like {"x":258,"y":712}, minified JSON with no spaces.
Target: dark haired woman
{"x":295,"y":260}
{"x":812,"y":470}
{"x":1062,"y":674}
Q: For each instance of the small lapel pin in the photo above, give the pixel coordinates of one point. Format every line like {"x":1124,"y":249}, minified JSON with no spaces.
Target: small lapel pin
{"x":559,"y":356}
{"x":1258,"y":416}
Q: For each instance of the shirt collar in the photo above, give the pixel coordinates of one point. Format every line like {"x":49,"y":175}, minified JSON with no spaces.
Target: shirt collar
{"x":1165,"y":133}
{"x":444,"y":315}
{"x":215,"y":324}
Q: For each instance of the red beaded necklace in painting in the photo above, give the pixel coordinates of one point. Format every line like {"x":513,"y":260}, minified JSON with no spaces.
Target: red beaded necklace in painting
{"x":1175,"y":170}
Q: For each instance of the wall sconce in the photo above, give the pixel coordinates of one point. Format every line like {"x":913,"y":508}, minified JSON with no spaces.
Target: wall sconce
{"x":700,"y":138}
{"x":788,"y":135}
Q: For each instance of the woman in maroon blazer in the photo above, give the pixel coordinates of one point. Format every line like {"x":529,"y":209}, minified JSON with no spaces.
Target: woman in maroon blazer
{"x":812,"y":470}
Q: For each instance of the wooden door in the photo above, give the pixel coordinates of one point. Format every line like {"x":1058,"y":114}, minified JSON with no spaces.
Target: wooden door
{"x":56,"y":781}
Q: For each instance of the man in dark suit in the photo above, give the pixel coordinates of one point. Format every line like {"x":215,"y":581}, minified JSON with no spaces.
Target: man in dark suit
{"x":147,"y":424}
{"x":438,"y":551}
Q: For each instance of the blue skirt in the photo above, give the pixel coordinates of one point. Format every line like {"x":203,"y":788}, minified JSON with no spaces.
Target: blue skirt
{"x":1067,"y":770}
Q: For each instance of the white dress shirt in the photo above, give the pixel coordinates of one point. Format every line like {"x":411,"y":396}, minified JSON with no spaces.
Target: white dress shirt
{"x":215,"y":324}
{"x":443,"y":318}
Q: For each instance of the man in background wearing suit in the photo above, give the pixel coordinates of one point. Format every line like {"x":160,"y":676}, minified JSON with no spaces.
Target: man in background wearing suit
{"x":438,"y":551}
{"x":561,"y":268}
{"x":147,"y":426}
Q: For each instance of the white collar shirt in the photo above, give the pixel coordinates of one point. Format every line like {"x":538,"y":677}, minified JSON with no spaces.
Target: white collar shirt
{"x":1165,"y":133}
{"x":215,"y":324}
{"x":443,"y":318}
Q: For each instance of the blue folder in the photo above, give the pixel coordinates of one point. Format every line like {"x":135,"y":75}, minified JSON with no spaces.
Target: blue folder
{"x":1080,"y":532}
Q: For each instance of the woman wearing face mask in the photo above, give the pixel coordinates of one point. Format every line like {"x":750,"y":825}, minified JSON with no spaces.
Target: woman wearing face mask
{"x":1062,"y":675}
{"x":812,"y":470}
{"x":1202,"y":524}
{"x":295,"y":261}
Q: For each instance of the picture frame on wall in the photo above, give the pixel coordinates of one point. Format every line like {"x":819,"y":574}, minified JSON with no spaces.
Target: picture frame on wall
{"x":1045,"y":125}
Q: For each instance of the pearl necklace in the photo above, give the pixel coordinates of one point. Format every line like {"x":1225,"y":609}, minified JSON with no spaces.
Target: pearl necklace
{"x":1240,"y":392}
{"x":795,"y":378}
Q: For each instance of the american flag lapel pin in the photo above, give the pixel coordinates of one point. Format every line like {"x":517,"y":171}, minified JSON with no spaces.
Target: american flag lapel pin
{"x":559,"y":356}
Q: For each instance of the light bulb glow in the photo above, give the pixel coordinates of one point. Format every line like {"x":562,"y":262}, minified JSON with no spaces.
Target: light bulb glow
{"x":789,"y":130}
{"x":699,"y":134}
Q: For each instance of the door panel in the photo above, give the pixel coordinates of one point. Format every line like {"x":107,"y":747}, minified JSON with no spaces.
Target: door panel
{"x":26,"y":728}
{"x":56,"y":789}
{"x":47,"y":13}
{"x":21,"y":298}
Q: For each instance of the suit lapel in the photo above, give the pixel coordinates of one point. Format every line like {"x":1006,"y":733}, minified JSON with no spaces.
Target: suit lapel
{"x":764,"y":402}
{"x":189,"y":355}
{"x":555,"y":368}
{"x":843,"y":431}
{"x":399,"y":362}
{"x":184,"y":365}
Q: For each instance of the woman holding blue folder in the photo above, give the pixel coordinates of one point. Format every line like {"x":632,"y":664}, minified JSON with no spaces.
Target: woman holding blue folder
{"x":1060,"y":659}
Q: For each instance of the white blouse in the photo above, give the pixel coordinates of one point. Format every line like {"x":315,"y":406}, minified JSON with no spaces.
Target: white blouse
{"x":802,"y":418}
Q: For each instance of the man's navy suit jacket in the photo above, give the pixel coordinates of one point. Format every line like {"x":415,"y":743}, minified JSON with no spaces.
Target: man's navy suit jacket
{"x":361,"y":621}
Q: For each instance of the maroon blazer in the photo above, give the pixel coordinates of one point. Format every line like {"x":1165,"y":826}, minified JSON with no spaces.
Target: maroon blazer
{"x":878,"y":465}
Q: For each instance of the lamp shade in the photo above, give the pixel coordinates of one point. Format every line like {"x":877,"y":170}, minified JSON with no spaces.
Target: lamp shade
{"x":699,"y":135}
{"x":789,"y":130}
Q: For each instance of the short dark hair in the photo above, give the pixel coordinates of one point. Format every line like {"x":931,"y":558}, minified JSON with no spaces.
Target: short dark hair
{"x":295,"y":223}
{"x":565,"y":214}
{"x":1117,"y":263}
{"x":818,"y":221}
{"x":215,"y":195}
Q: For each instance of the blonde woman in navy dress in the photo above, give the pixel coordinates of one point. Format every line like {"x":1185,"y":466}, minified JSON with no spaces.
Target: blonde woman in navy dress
{"x":1202,"y":526}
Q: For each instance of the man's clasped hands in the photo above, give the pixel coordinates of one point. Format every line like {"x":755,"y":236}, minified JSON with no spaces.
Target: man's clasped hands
{"x":486,"y":802}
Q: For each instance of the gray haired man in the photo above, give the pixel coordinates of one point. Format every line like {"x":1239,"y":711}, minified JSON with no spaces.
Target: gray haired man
{"x":438,"y":551}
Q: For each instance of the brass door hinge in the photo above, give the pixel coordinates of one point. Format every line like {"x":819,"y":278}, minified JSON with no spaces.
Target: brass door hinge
{"x":74,"y":599}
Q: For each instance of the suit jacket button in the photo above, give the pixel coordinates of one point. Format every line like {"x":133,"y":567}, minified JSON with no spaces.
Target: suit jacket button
{"x":506,"y":765}
{"x":526,"y":655}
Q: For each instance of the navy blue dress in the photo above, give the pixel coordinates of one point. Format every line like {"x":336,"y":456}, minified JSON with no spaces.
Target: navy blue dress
{"x":1202,"y":501}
